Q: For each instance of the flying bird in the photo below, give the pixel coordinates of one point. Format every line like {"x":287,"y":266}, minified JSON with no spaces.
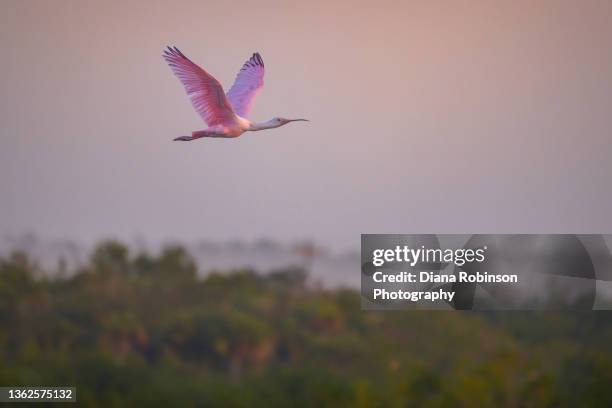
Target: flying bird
{"x":225,"y":115}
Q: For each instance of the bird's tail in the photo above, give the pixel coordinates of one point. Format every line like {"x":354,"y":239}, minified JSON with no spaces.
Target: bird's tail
{"x":201,"y":133}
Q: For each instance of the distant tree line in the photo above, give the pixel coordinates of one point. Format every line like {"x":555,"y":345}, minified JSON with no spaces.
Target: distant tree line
{"x":145,"y":330}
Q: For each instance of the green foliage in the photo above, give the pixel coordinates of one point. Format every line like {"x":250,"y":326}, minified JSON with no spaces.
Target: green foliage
{"x":136,"y":329}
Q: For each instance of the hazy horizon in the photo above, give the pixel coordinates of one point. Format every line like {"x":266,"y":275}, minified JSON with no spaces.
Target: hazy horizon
{"x":426,"y":117}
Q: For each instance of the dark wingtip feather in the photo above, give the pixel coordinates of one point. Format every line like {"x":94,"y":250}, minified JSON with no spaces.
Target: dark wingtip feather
{"x":172,"y":52}
{"x":179,"y":52}
{"x":257,"y":59}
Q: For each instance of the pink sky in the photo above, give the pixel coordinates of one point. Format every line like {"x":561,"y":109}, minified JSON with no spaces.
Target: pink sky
{"x":429,"y":117}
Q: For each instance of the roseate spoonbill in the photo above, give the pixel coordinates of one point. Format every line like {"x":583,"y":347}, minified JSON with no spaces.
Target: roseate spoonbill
{"x":226,"y":115}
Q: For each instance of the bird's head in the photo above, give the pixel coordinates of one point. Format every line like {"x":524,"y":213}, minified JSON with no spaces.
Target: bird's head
{"x":276,"y":122}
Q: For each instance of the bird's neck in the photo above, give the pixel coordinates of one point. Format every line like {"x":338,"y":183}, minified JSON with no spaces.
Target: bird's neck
{"x":263,"y":125}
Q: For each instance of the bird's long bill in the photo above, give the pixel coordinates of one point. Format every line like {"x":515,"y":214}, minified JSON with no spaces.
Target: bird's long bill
{"x":299,"y":120}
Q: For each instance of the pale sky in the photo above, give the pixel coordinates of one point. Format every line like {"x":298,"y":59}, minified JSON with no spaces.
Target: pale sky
{"x":427,"y":117}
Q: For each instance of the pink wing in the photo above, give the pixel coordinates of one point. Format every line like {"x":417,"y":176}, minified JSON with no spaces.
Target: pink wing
{"x":247,"y":85}
{"x":205,"y":92}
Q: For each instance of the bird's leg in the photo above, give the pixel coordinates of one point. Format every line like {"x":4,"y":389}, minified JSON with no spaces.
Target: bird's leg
{"x":198,"y":134}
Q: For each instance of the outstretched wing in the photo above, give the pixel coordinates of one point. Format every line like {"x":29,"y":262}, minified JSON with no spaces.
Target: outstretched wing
{"x":205,"y":92}
{"x":247,"y":85}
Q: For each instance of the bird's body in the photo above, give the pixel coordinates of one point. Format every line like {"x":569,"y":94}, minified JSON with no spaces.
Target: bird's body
{"x":226,"y":115}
